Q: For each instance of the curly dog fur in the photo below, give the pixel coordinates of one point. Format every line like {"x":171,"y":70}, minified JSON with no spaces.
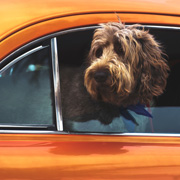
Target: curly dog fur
{"x":124,"y":67}
{"x":132,"y":62}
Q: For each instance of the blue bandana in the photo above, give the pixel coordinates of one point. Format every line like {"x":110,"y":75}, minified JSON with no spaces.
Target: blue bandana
{"x":138,"y":109}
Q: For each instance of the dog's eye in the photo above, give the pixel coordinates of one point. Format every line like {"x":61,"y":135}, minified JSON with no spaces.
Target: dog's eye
{"x":118,"y":47}
{"x":119,"y":50}
{"x":99,"y":52}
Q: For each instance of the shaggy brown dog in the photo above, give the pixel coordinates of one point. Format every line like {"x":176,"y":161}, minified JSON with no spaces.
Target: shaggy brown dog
{"x":125,"y":67}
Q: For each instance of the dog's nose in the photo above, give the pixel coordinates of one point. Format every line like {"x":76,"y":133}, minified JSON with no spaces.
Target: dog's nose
{"x":100,"y":76}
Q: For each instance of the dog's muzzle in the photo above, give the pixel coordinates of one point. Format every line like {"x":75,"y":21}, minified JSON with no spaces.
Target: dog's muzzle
{"x":101,"y":76}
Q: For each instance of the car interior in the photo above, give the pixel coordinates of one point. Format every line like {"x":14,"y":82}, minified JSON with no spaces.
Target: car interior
{"x":73,"y":50}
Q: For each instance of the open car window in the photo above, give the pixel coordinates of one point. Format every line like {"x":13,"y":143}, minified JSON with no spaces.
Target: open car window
{"x":73,"y":49}
{"x":26,"y":91}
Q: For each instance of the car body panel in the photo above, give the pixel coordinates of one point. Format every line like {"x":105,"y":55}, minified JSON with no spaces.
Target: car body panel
{"x":35,"y":11}
{"x":88,"y":157}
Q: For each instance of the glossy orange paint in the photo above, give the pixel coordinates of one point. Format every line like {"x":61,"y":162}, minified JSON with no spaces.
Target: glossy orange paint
{"x":23,"y":21}
{"x":89,"y":157}
{"x":15,"y":13}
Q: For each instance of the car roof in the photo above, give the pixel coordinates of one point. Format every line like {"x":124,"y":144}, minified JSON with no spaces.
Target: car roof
{"x":16,"y":14}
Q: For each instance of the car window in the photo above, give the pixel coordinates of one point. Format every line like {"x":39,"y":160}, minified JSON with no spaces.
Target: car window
{"x":78,"y":114}
{"x":26,"y":90}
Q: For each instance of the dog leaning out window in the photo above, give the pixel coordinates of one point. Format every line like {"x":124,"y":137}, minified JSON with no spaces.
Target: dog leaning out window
{"x":109,"y":91}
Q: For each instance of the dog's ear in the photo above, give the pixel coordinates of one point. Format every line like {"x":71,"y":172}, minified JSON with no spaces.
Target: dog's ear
{"x":153,"y":67}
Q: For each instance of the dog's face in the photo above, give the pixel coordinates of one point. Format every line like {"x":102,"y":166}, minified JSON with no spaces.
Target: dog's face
{"x":125,"y":66}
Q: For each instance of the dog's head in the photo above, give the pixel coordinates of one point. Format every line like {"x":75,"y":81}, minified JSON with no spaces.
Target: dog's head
{"x":125,"y":65}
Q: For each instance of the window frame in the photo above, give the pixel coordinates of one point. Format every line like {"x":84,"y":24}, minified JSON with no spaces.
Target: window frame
{"x":56,"y":85}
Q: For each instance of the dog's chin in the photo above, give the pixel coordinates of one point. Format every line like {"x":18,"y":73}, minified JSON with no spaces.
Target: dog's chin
{"x":107,"y":95}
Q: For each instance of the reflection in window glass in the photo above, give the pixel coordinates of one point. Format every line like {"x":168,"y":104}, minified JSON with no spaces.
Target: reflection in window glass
{"x":25,"y":91}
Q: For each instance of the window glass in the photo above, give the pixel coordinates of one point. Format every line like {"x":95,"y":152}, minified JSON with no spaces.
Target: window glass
{"x":77,"y":110}
{"x":26,"y":92}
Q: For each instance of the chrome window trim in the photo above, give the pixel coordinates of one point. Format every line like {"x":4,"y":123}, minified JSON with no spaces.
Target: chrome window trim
{"x":162,"y":27}
{"x":59,"y":126}
{"x":130,"y":134}
{"x":56,"y":79}
{"x":26,"y":126}
{"x":27,"y":132}
{"x":53,"y":132}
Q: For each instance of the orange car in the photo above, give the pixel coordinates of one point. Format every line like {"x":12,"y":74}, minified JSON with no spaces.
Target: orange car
{"x":35,"y":37}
